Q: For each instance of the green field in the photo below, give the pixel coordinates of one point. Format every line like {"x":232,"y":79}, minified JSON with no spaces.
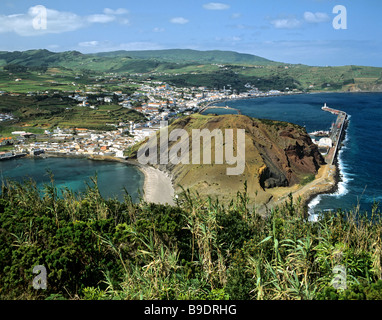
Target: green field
{"x":37,"y":83}
{"x":44,"y":112}
{"x":70,"y":71}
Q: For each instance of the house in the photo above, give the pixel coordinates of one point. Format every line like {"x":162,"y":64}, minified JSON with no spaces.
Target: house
{"x":119,"y":154}
{"x":28,"y":135}
{"x":325,"y":142}
{"x":6,"y":141}
{"x":154,"y":105}
{"x":18,"y":132}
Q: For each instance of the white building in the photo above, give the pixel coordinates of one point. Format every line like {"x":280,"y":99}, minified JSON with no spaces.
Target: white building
{"x":325,"y":142}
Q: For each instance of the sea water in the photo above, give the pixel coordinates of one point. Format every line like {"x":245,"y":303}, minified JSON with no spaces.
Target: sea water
{"x":76,"y":174}
{"x":360,"y":158}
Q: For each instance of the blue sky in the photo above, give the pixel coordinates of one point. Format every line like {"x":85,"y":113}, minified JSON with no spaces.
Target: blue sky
{"x":296,"y":31}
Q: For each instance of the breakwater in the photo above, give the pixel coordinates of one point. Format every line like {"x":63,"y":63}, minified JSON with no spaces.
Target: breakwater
{"x":337,"y":133}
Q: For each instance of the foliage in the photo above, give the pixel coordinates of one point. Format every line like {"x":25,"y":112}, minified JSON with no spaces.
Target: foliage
{"x":214,"y":69}
{"x":97,"y":249}
{"x":307,"y":179}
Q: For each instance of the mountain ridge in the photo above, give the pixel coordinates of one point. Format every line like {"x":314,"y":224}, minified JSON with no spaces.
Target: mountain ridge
{"x":213,"y":69}
{"x":190,"y":55}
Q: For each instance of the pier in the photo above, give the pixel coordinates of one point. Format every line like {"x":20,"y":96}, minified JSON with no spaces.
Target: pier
{"x":9,"y":155}
{"x":336,"y":133}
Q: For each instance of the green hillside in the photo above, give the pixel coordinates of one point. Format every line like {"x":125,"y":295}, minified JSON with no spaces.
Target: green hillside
{"x":188,"y":55}
{"x":187,"y":68}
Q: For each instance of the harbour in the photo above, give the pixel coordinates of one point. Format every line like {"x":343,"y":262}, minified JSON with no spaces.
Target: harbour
{"x":336,"y":133}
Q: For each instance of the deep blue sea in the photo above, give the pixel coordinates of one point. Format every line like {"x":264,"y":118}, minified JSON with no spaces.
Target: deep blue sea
{"x":75,"y":174}
{"x":360,"y":159}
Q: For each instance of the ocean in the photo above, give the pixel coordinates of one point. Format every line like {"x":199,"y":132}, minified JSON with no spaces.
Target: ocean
{"x":76,"y":174}
{"x":360,"y":158}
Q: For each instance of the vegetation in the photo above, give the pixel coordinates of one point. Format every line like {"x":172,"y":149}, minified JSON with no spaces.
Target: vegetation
{"x":182,"y":55}
{"x":213,"y":69}
{"x":307,"y":179}
{"x":97,"y":249}
{"x":45,"y":111}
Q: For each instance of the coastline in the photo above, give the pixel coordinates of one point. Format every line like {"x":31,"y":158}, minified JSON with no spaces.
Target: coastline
{"x":337,"y":175}
{"x":334,"y":175}
{"x":326,"y":183}
{"x":157,"y":187}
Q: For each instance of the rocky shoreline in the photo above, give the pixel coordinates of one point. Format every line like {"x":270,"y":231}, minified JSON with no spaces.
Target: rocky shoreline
{"x":158,"y":185}
{"x":155,"y":179}
{"x":337,"y":175}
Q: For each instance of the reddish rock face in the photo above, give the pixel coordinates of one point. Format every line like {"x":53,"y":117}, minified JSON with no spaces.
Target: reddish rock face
{"x":277,"y":154}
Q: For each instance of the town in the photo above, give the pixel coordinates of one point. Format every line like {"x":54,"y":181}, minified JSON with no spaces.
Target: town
{"x":156,"y":100}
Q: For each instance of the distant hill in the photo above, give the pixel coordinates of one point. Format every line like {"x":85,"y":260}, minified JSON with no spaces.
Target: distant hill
{"x":32,"y":58}
{"x":188,"y":68}
{"x":188,"y":55}
{"x":126,"y":61}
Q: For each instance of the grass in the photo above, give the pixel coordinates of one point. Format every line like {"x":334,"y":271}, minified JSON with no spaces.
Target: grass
{"x":198,"y":249}
{"x":43,"y":112}
{"x":6,"y":148}
{"x":274,"y":76}
{"x":307,"y":179}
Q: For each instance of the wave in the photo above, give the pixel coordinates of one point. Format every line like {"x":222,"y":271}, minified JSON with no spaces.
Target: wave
{"x":345,"y":175}
{"x":312,"y":216}
{"x":342,"y":186}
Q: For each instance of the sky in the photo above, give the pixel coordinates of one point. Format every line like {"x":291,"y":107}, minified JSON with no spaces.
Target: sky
{"x":296,"y":31}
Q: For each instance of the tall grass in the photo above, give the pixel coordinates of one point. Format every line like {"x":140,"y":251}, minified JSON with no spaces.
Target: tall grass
{"x":283,"y":256}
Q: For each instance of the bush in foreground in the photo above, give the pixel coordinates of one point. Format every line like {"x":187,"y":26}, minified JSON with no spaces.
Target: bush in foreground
{"x":98,"y":249}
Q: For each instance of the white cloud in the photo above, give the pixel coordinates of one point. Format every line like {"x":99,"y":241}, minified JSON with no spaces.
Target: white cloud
{"x":294,"y":23}
{"x":124,"y":21}
{"x":236,"y":16}
{"x":316,"y":17}
{"x":179,"y":20}
{"x":140,"y":45}
{"x":157,"y":29}
{"x":286,"y":23}
{"x":89,"y":44}
{"x":100,"y":18}
{"x":104,"y":46}
{"x":56,"y":21}
{"x":216,"y":6}
{"x":119,"y":11}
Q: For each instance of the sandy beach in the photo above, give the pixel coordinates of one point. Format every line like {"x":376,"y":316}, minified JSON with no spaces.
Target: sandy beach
{"x":158,"y":187}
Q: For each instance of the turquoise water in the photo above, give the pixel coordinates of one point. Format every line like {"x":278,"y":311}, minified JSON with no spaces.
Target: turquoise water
{"x":75,"y":173}
{"x":360,"y":159}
